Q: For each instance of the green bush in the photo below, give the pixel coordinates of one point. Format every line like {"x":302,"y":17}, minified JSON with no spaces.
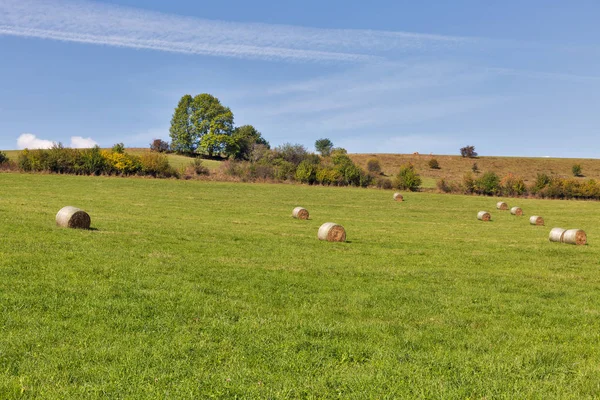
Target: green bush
{"x":328,"y":176}
{"x":512,"y":185}
{"x":3,"y":158}
{"x":306,"y":172}
{"x":434,"y":164}
{"x":576,"y":169}
{"x":407,"y":178}
{"x":157,"y":165}
{"x":488,"y":184}
{"x":374,"y":166}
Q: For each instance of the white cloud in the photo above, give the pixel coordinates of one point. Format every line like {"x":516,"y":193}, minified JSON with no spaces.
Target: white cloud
{"x":97,"y":23}
{"x":30,"y":141}
{"x":78,"y":142}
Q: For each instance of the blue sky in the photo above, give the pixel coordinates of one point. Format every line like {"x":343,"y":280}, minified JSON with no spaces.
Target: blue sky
{"x":513,"y":78}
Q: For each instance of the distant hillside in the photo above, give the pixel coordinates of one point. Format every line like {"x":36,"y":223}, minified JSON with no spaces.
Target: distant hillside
{"x":454,"y":167}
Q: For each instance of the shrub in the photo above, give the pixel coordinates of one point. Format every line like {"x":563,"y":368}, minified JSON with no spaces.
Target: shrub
{"x":3,"y":158}
{"x":407,"y":178}
{"x":156,"y":165}
{"x":434,"y":164}
{"x":468,"y":151}
{"x":512,"y":185}
{"x":468,"y":183}
{"x":294,"y":153}
{"x":374,"y":166}
{"x":384,"y":183}
{"x":285,"y":170}
{"x":488,"y":184}
{"x":328,"y":176}
{"x":118,"y":148}
{"x":159,"y":146}
{"x":306,"y":172}
{"x":576,"y":169}
{"x":122,"y":163}
{"x":443,"y":186}
{"x":199,"y":168}
{"x":92,"y":162}
{"x":475,"y":168}
{"x":541,"y":181}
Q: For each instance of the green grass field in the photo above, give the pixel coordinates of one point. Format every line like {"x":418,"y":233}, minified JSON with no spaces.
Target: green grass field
{"x":190,"y":289}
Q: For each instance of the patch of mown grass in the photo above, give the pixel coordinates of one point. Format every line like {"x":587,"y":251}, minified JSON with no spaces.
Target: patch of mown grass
{"x":192,"y":289}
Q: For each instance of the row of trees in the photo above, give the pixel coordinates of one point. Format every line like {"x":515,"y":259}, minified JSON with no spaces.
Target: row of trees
{"x":544,"y":186}
{"x":202,"y":125}
{"x":94,"y":161}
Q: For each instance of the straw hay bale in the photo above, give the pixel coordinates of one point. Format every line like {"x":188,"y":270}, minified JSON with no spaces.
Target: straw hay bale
{"x":556,"y":234}
{"x":300,"y":213}
{"x":484,"y":216}
{"x":501,"y":205}
{"x":73,"y":217}
{"x":516,"y":211}
{"x":574,"y":236}
{"x":332,"y":232}
{"x":398,"y":197}
{"x":536,"y":220}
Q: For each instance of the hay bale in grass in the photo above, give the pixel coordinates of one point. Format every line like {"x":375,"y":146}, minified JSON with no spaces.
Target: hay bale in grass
{"x":300,"y":213}
{"x":332,"y":232}
{"x":73,"y":217}
{"x":574,"y":236}
{"x":516,"y":211}
{"x":556,"y":234}
{"x":536,"y":220}
{"x":501,"y":205}
{"x":484,"y":216}
{"x":398,"y":197}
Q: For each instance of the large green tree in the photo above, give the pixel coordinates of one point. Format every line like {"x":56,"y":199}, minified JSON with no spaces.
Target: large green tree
{"x":212,"y":122}
{"x":182,"y":132}
{"x":201,"y":123}
{"x":242,"y":142}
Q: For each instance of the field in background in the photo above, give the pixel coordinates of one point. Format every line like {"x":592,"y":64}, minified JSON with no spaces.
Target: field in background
{"x":190,"y":289}
{"x":454,"y":167}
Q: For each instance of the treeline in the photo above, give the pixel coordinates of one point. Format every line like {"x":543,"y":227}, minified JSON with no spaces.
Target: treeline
{"x":544,"y":186}
{"x":94,"y":161}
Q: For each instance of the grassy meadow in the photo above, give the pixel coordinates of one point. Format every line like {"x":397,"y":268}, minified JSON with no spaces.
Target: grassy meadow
{"x":191,"y":289}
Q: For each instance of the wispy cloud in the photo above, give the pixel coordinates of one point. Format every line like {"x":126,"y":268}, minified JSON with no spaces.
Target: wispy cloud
{"x":96,"y":23}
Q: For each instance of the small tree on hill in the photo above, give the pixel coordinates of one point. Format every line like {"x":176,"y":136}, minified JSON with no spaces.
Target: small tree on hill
{"x":324,"y":146}
{"x":407,"y":178}
{"x":159,"y":146}
{"x":576,"y":169}
{"x":468,"y":151}
{"x":434,"y":164}
{"x":374,"y":166}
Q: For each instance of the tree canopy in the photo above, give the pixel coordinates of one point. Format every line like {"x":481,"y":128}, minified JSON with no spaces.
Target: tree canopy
{"x":324,"y":146}
{"x":201,"y":123}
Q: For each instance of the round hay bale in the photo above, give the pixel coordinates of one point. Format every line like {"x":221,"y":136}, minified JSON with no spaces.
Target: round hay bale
{"x":556,"y":234}
{"x":574,"y":236}
{"x":73,"y":217}
{"x":536,"y":220}
{"x":398,"y":197}
{"x":332,"y":232}
{"x":484,"y":216}
{"x":300,"y":213}
{"x":516,"y":211}
{"x":501,"y":205}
